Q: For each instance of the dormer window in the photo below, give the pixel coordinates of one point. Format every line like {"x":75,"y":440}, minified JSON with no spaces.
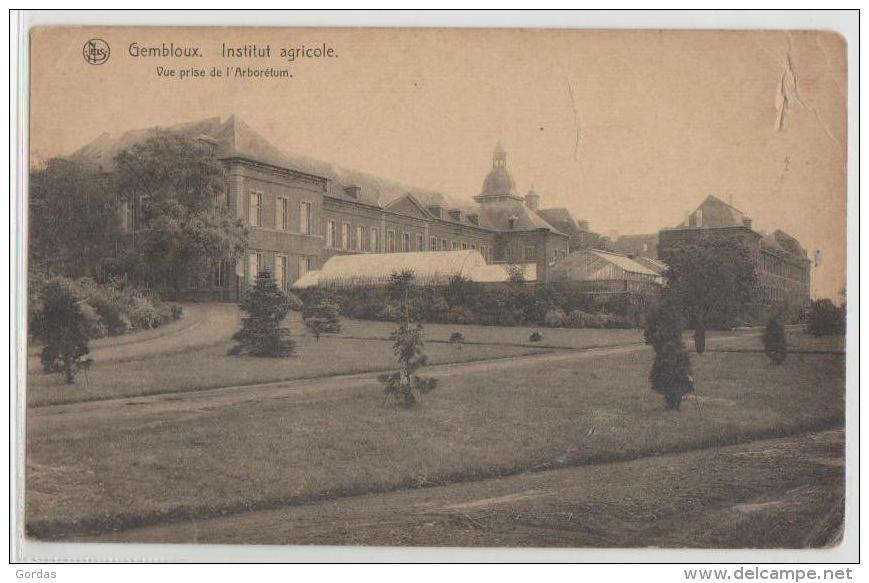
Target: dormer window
{"x":474,"y":219}
{"x":352,"y":191}
{"x":456,"y":215}
{"x":512,"y":221}
{"x":436,"y":211}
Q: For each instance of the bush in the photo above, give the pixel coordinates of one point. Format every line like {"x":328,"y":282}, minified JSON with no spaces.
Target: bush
{"x":461,"y":315}
{"x":536,"y":337}
{"x":580,"y":319}
{"x":555,"y":318}
{"x":261,"y":332}
{"x":457,"y":338}
{"x":65,"y":329}
{"x":671,"y":371}
{"x":775,"y":341}
{"x":404,"y":387}
{"x":324,"y":319}
{"x":825,"y":318}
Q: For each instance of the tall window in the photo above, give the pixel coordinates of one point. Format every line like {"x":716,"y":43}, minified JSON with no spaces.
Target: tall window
{"x":455,"y":246}
{"x":282,"y":214}
{"x":346,"y":235}
{"x":444,"y":245}
{"x":375,"y":240}
{"x":390,"y":241}
{"x":304,"y":265}
{"x":464,"y":246}
{"x":529,"y":254}
{"x":255,"y":209}
{"x":420,"y":243}
{"x":406,"y":243}
{"x":305,"y":218}
{"x":361,"y":240}
{"x":433,"y":244}
{"x":281,"y":271}
{"x":126,"y":214}
{"x":256,"y":265}
{"x":332,"y":234}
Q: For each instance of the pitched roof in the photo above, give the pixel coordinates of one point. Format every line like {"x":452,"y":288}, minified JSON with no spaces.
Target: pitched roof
{"x":561,"y":219}
{"x":623,"y":262}
{"x":714,"y":213}
{"x":497,"y":214}
{"x":234,"y":137}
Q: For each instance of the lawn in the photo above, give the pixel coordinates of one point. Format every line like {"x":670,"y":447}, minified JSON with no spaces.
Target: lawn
{"x":207,"y":367}
{"x":118,"y":466}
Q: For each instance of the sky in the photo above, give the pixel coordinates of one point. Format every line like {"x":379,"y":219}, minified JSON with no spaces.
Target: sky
{"x":630,"y":130}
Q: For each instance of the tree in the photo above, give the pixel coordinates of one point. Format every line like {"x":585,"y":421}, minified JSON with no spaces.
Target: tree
{"x":73,"y":218}
{"x":671,"y":371}
{"x":184,"y":226}
{"x":404,"y":386}
{"x":774,"y":340}
{"x":261,"y":332}
{"x":323,"y":318}
{"x":65,"y":329}
{"x":714,"y":281}
{"x":825,"y":318}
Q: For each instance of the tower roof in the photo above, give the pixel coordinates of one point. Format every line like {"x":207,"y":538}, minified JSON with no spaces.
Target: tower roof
{"x":498,"y":184}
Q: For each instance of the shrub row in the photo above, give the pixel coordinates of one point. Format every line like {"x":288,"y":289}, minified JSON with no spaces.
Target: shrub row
{"x":465,"y":302}
{"x":111,"y":309}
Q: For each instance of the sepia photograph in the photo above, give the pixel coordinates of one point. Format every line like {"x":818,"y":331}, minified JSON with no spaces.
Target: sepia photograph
{"x":436,"y":287}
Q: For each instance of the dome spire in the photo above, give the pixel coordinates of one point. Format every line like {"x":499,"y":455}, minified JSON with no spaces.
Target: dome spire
{"x":499,"y":156}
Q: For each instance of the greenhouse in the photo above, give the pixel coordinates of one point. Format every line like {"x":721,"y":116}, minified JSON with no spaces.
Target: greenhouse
{"x":429,"y":268}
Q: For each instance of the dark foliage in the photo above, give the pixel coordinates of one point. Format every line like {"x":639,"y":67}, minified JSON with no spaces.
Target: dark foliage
{"x":671,"y":371}
{"x":184,"y":227}
{"x":65,"y":329}
{"x":73,"y":218}
{"x":323,"y":317}
{"x":535,"y":337}
{"x":714,"y":282}
{"x":825,"y":318}
{"x":465,"y":302}
{"x":261,"y":332}
{"x":457,"y":338}
{"x":774,"y":340}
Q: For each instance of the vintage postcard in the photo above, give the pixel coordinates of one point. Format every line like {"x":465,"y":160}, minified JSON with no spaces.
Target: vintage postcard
{"x":436,"y":287}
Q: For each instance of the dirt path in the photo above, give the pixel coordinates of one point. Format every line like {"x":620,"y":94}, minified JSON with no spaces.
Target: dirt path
{"x":777,"y":493}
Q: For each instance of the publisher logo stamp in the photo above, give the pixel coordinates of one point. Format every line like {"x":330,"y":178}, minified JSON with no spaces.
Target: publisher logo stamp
{"x":96,"y":51}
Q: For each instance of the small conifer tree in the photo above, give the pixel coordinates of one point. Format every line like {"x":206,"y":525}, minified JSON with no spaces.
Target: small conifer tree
{"x":774,"y":340}
{"x":671,"y":371}
{"x":65,"y":329}
{"x":261,"y":332}
{"x":324,"y":318}
{"x":404,"y":386}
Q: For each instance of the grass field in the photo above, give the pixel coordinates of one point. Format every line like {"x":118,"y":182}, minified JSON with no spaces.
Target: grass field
{"x":776,"y":493}
{"x":205,"y":367}
{"x":121,"y":466}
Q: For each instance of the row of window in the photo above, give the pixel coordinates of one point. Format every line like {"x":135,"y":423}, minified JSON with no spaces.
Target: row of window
{"x":777,"y":267}
{"x":282,"y":213}
{"x":368,"y":239}
{"x":282,"y":264}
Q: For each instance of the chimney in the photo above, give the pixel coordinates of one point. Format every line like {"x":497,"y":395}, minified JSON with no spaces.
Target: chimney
{"x":532,"y":200}
{"x":746,"y":222}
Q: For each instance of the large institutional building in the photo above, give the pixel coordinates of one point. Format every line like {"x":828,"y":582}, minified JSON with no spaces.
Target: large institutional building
{"x":302,"y":212}
{"x":782,"y":265}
